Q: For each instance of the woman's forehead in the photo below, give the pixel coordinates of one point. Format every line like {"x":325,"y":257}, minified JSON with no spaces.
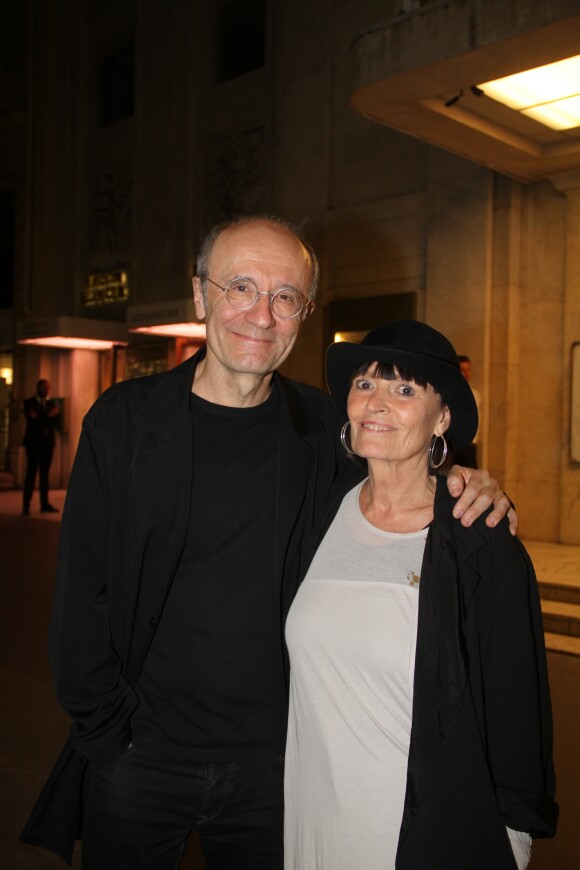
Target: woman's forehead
{"x":375,"y":369}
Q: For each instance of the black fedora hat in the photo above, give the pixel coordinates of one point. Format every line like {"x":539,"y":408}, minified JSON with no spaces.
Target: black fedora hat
{"x":422,"y":350}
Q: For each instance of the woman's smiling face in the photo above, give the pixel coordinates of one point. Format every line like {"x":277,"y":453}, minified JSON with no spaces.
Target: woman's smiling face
{"x":393,"y":420}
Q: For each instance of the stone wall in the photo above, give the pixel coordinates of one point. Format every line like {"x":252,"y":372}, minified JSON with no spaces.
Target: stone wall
{"x":491,"y":262}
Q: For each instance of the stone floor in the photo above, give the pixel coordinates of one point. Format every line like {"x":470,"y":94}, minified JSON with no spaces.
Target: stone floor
{"x":33,"y":727}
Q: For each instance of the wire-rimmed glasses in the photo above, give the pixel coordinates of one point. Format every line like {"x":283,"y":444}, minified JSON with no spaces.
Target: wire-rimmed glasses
{"x":242,"y":293}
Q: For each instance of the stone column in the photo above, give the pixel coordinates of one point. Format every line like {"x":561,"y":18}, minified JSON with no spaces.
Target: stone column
{"x":569,"y":184}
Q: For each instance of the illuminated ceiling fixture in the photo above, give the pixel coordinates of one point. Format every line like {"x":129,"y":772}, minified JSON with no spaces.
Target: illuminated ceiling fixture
{"x":71,"y":333}
{"x":549,"y":94}
{"x":173,"y":330}
{"x":172,"y":319}
{"x":69,"y":342}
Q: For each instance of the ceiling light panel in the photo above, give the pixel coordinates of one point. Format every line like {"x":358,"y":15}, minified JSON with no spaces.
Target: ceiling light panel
{"x":549,"y":94}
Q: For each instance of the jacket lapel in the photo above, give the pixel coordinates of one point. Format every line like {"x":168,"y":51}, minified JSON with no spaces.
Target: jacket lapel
{"x":298,"y":430}
{"x":298,"y":487}
{"x":165,"y":453}
{"x":161,"y":492}
{"x":441,"y":664}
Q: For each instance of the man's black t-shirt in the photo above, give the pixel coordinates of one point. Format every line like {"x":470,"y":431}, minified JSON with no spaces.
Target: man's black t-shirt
{"x":213,"y":681}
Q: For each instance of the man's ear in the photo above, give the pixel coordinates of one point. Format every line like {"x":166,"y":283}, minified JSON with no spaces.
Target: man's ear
{"x":198,"y":299}
{"x":307,"y":311}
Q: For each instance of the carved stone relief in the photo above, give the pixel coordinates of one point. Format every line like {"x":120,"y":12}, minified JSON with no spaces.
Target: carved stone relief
{"x":235,"y":175}
{"x":110,"y":220}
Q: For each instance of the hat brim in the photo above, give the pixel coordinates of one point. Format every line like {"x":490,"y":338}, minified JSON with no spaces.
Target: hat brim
{"x":343,"y":358}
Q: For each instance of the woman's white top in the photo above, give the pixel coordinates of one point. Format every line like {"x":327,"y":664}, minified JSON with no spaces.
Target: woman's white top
{"x":351,"y":634}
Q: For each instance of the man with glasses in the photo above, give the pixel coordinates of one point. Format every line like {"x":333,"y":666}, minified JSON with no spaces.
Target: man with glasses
{"x":194,"y":505}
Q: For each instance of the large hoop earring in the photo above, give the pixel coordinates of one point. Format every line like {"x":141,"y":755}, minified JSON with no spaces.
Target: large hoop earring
{"x":432,"y":451}
{"x":345,"y":443}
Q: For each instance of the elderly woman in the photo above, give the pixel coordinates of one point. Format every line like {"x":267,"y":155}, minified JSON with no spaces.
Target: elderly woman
{"x":420,"y":725}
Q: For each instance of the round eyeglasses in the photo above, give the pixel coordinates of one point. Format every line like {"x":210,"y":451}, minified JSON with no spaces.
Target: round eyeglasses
{"x":242,"y":293}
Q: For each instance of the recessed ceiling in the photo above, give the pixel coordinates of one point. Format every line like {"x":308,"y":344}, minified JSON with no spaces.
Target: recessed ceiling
{"x":175,"y":318}
{"x":71,"y":333}
{"x":425,"y":74}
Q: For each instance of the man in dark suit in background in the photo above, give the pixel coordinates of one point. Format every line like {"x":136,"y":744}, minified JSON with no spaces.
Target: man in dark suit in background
{"x":469,"y":455}
{"x":41,"y":419}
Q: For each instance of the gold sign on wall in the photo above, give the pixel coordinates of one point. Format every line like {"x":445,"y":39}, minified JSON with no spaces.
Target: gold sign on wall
{"x":102,"y":288}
